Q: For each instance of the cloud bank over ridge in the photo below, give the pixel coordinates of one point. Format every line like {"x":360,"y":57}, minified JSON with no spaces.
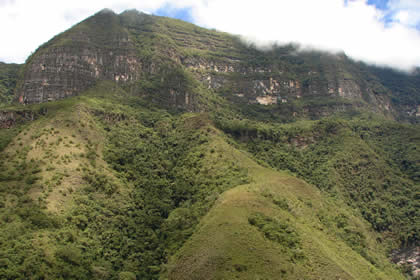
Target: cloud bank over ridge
{"x":386,"y":34}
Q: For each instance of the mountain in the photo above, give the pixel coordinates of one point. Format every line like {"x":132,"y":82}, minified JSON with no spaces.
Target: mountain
{"x":144,"y":147}
{"x":132,"y":48}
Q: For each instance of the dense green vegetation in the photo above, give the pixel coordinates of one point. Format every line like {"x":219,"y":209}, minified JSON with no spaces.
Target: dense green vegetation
{"x":279,"y":225}
{"x":405,"y":87}
{"x":124,"y":220}
{"x":373,"y":164}
{"x":279,"y":232}
{"x":125,"y":208}
{"x":8,"y":80}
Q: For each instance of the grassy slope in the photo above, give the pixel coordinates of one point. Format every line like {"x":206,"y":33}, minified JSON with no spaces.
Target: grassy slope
{"x":227,"y":246}
{"x":42,"y":181}
{"x":58,"y":144}
{"x":79,"y":218}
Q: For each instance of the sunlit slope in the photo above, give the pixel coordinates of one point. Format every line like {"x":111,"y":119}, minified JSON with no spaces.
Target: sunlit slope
{"x":279,"y":227}
{"x":55,"y":187}
{"x":52,"y":154}
{"x":101,"y":186}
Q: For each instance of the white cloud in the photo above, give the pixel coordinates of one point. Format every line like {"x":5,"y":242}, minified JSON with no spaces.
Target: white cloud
{"x":354,"y":27}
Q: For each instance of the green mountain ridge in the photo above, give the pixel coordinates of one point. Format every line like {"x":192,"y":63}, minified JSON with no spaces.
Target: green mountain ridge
{"x":143,"y":147}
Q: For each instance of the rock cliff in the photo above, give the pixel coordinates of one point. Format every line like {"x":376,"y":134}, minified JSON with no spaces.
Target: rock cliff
{"x":75,"y":60}
{"x":157,"y":57}
{"x":10,"y":118}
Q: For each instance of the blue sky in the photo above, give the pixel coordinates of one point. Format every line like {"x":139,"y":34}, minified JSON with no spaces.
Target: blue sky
{"x":392,"y":8}
{"x":382,"y":32}
{"x":179,"y":13}
{"x":383,"y":6}
{"x":380,"y":4}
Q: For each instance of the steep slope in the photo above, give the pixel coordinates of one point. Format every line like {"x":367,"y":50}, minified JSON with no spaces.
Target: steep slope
{"x":98,"y":48}
{"x":404,"y":88}
{"x":89,"y":186}
{"x":279,"y":226}
{"x":171,"y":62}
{"x":372,"y":164}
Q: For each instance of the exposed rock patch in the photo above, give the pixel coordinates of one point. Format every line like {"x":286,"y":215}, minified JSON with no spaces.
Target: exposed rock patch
{"x":9,"y":119}
{"x":409,"y":257}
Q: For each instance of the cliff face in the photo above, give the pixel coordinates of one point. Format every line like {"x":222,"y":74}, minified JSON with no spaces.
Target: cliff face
{"x":75,"y":60}
{"x":64,"y":71}
{"x":269,"y":85}
{"x":156,"y":56}
{"x":9,"y":119}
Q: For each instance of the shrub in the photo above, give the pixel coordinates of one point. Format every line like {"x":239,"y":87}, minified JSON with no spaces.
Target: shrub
{"x":70,"y":254}
{"x":275,"y":230}
{"x":282,"y":203}
{"x":30,"y":180}
{"x":125,"y":275}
